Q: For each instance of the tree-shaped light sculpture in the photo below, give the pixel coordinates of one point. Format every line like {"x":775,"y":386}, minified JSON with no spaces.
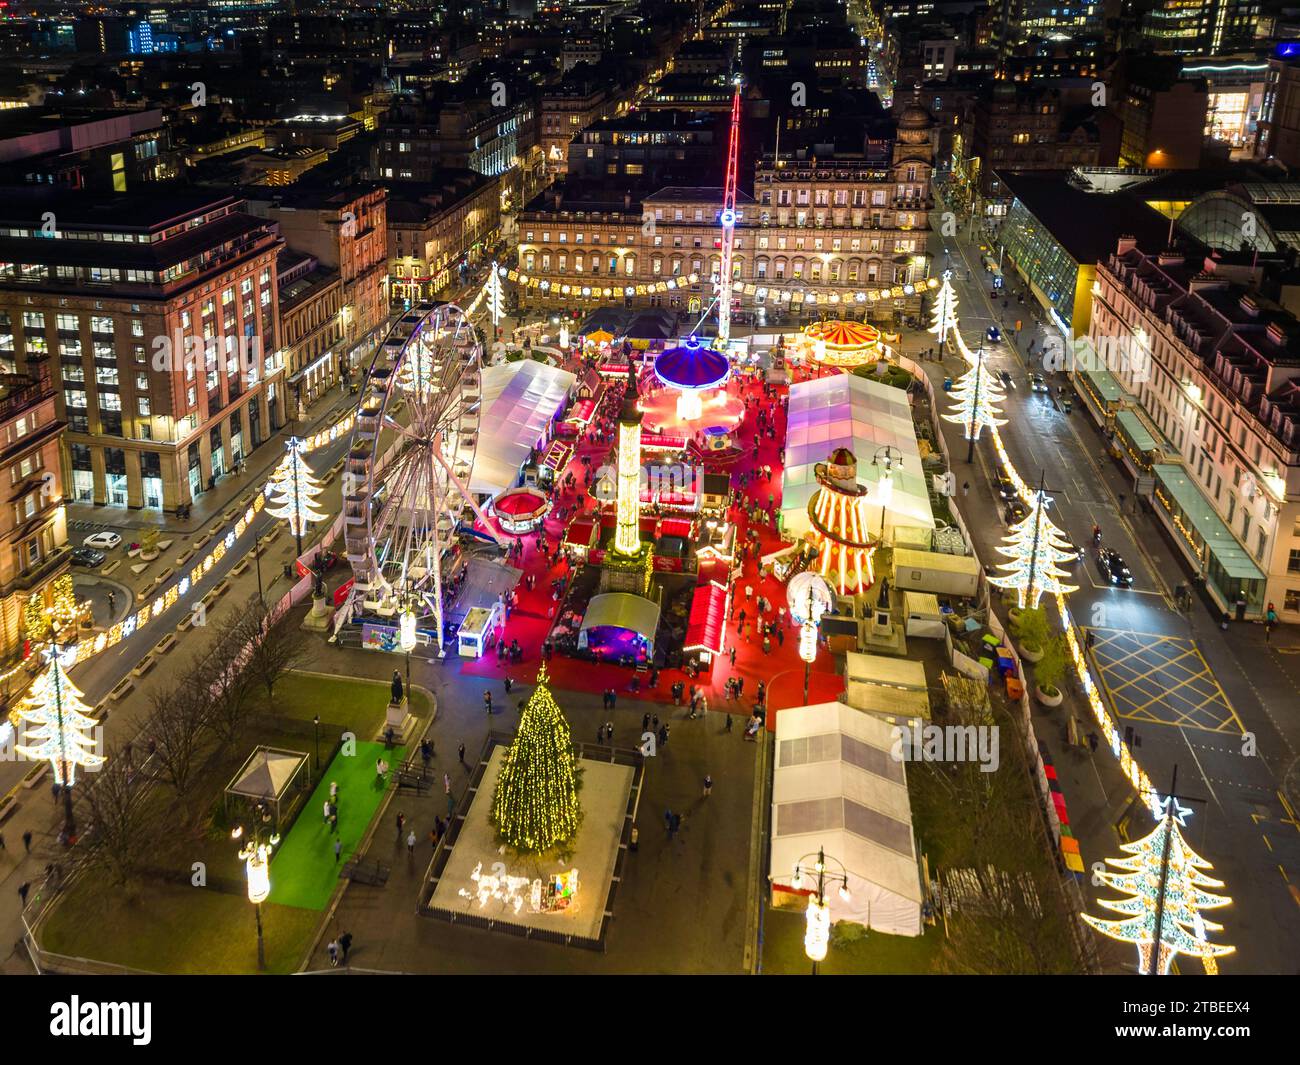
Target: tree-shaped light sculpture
{"x":535,"y":805}
{"x":59,"y":729}
{"x":294,"y":491}
{"x":1036,"y":548}
{"x":1174,"y":921}
{"x":978,"y":394}
{"x":943,"y":316}
{"x":496,"y":299}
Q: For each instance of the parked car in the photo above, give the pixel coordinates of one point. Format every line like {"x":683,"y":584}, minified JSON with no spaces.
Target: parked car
{"x":1015,"y":511}
{"x":1002,"y":484}
{"x":105,"y":541}
{"x":1112,"y":568}
{"x":87,"y":556}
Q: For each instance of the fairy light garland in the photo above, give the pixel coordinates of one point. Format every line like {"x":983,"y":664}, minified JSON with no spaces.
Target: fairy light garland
{"x":535,"y":805}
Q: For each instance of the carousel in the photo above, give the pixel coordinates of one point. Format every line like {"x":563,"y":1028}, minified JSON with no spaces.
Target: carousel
{"x":520,"y":510}
{"x":842,"y":344}
{"x":692,"y":371}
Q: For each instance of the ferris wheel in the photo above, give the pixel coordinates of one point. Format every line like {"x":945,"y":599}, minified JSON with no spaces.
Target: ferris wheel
{"x":403,"y":500}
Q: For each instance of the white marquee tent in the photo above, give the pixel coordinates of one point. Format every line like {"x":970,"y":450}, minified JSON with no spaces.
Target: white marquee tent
{"x":519,"y":401}
{"x":843,"y":410}
{"x":837,"y":786}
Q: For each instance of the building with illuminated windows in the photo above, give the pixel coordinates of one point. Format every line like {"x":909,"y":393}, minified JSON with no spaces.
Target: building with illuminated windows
{"x":34,"y":525}
{"x":819,"y":229}
{"x":1198,"y":27}
{"x":106,"y":312}
{"x":1207,"y":414}
{"x":1014,"y":23}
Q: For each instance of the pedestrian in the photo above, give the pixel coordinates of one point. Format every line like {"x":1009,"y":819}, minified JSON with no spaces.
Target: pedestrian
{"x":401,"y":823}
{"x":676,"y":824}
{"x":446,"y":783}
{"x":965,"y":489}
{"x":326,"y":814}
{"x":645,"y":723}
{"x":708,"y":783}
{"x":345,"y":945}
{"x":1092,"y":742}
{"x":733,"y":655}
{"x":749,"y":594}
{"x":23,"y":888}
{"x":333,"y":949}
{"x":727,"y":728}
{"x":338,"y":849}
{"x":780,"y":637}
{"x":410,"y":843}
{"x":609,"y":731}
{"x":426,"y":753}
{"x":27,"y":842}
{"x":509,"y":683}
{"x":668,"y":821}
{"x":487,"y":702}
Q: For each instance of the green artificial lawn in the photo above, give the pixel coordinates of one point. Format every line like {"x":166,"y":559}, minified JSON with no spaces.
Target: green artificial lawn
{"x":176,"y":929}
{"x":303,"y":870}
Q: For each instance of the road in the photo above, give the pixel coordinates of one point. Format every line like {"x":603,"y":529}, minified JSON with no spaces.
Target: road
{"x":1221,"y":707}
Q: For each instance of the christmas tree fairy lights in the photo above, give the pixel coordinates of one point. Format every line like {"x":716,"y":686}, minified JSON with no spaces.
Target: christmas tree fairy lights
{"x":1036,"y":548}
{"x":59,"y":725}
{"x":1177,"y":916}
{"x":535,"y":805}
{"x":294,"y":491}
{"x":943,"y":316}
{"x":977,"y":393}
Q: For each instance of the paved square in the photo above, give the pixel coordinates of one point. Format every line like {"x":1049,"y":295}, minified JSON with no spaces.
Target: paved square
{"x":1163,"y":680}
{"x":604,"y":794}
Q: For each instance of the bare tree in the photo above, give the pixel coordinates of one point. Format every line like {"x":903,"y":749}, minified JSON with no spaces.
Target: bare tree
{"x":228,"y":685}
{"x":178,"y":725}
{"x":274,"y":646}
{"x":120,"y":825}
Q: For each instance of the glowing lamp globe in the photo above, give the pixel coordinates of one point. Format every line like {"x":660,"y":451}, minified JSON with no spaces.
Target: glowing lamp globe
{"x":258,"y":866}
{"x":817,"y":934}
{"x":805,"y":588}
{"x":808,"y":641}
{"x":407,"y":635}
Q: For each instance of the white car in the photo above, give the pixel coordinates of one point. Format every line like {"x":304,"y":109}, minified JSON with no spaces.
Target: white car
{"x":104,"y":541}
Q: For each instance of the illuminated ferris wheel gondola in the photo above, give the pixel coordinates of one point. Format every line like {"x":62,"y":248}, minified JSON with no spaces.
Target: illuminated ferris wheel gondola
{"x":403,"y":504}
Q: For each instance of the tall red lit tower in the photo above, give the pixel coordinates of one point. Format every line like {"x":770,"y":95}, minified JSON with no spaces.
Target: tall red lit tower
{"x":727,"y":219}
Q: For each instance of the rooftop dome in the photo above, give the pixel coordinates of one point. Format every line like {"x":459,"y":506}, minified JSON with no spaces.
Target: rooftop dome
{"x":914,"y":116}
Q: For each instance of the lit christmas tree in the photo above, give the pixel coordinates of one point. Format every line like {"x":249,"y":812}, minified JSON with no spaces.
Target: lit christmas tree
{"x":943,"y":316}
{"x":1182,"y":928}
{"x":294,"y":491}
{"x":1036,"y":548}
{"x":536,"y":801}
{"x":977,"y":393}
{"x":496,"y":299}
{"x":58,"y":725}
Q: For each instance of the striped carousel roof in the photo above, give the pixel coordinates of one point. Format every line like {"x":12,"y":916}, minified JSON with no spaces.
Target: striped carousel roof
{"x":852,"y":336}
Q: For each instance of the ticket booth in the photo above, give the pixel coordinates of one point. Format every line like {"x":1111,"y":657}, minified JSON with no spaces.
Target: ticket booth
{"x":475,"y":634}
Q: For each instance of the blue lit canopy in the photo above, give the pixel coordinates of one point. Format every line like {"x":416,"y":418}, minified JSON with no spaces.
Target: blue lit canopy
{"x":692,"y":366}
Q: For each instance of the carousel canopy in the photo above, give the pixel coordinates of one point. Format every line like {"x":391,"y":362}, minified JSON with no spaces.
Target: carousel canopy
{"x":692,"y":366}
{"x":846,"y":335}
{"x":863,"y":416}
{"x":622,"y":610}
{"x":519,"y":401}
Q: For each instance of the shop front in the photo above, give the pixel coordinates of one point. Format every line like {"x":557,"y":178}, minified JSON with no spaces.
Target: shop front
{"x":1231,"y":576}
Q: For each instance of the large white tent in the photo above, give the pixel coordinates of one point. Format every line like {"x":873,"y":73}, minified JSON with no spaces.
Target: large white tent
{"x":838,"y":787}
{"x":520,"y":399}
{"x":843,"y":410}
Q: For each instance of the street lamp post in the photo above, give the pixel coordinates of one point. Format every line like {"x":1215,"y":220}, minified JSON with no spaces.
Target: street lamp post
{"x":316,"y":722}
{"x":817,"y":932}
{"x":975,"y":403}
{"x":255,"y":853}
{"x":886,"y":482}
